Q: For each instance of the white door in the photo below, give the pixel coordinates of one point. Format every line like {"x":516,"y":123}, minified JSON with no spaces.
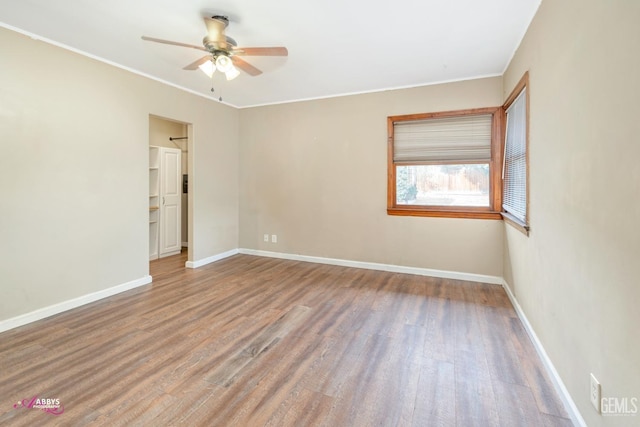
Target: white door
{"x":170,"y":201}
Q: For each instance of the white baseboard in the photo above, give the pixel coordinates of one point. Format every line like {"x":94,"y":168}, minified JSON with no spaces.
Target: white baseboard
{"x":209,"y":260}
{"x":569,"y":404}
{"x":381,"y":267}
{"x":54,"y":309}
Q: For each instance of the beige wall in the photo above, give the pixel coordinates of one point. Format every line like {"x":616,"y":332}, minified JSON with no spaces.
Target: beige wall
{"x":577,"y":275}
{"x":315,"y":174}
{"x":74,"y":173}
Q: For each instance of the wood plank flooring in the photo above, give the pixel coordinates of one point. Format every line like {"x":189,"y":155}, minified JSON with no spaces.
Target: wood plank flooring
{"x":252,"y":341}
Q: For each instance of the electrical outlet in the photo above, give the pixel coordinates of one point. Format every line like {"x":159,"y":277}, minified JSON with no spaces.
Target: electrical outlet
{"x":594,"y":393}
{"x":274,"y":238}
{"x":266,"y":237}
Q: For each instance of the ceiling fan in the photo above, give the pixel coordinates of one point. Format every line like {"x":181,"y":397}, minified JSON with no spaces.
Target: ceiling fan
{"x":223,"y":53}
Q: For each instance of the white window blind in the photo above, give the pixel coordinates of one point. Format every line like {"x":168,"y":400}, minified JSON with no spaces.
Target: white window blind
{"x":462,"y":138}
{"x":514,"y":175}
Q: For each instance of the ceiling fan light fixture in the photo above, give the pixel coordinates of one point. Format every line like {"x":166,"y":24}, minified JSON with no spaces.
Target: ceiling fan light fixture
{"x":232,"y":73}
{"x":222,"y":51}
{"x":208,"y":68}
{"x":223,"y":63}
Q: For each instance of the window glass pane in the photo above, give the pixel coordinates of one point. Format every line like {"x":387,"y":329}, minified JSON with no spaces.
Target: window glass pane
{"x":443,"y":185}
{"x":514,"y":197}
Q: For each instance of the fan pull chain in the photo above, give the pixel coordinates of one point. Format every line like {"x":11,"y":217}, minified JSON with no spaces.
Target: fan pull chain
{"x":212,"y":91}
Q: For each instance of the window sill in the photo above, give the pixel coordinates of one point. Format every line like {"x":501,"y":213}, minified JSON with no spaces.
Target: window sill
{"x":444,"y":213}
{"x":515,"y":222}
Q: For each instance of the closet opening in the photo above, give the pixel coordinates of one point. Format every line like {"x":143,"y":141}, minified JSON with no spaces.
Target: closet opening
{"x":169,"y":192}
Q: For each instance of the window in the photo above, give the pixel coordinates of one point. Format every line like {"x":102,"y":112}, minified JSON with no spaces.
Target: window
{"x":445,"y":164}
{"x":515,"y":168}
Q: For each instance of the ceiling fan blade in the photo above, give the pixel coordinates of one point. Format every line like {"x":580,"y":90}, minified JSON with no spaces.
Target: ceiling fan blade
{"x":151,"y":39}
{"x":245,"y":66}
{"x":261,"y":51}
{"x":199,"y":62}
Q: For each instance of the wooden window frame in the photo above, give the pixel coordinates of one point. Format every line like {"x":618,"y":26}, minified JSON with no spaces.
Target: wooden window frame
{"x":523,"y":227}
{"x":495,"y":169}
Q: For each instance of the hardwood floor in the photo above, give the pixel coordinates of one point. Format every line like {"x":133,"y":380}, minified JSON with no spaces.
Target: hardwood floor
{"x":252,"y":341}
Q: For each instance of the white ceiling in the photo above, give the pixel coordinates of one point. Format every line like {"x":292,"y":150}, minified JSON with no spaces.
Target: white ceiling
{"x":335,"y":47}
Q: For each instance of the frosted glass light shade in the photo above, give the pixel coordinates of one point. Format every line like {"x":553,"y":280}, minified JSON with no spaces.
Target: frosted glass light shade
{"x":223,"y":63}
{"x":232,"y":73}
{"x":207,"y":68}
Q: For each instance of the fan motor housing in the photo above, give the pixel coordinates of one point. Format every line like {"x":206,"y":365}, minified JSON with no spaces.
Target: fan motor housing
{"x":214,"y":45}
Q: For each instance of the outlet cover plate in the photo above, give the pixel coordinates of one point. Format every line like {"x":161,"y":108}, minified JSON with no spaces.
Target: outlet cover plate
{"x":594,"y":393}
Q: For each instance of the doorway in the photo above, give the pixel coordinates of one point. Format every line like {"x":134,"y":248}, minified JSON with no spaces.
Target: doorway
{"x":168,"y":139}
